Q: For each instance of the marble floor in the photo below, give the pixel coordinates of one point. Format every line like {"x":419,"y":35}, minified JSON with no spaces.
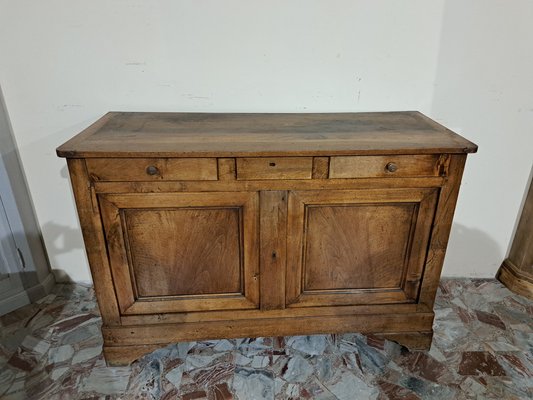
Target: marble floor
{"x":482,"y":349}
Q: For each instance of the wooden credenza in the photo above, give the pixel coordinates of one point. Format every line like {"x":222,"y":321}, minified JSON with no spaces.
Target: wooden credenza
{"x":204,"y":226}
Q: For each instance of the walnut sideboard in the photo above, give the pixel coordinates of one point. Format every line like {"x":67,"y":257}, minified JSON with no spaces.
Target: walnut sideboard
{"x":205,"y":226}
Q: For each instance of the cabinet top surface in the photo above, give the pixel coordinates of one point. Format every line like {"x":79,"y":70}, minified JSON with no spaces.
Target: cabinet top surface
{"x":150,"y":134}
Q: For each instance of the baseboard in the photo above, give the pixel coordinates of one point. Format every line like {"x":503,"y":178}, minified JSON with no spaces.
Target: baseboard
{"x":41,"y":289}
{"x":28,"y":296}
{"x":13,"y":302}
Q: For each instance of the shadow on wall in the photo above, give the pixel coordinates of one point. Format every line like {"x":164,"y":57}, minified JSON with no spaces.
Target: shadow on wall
{"x":62,"y":235}
{"x":467,"y":247}
{"x":61,"y":240}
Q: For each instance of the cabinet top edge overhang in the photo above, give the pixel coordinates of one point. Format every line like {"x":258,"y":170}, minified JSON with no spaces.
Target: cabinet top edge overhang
{"x":166,"y":134}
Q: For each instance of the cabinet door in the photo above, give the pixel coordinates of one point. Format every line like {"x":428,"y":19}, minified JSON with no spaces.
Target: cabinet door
{"x":179,"y":252}
{"x":350,"y":247}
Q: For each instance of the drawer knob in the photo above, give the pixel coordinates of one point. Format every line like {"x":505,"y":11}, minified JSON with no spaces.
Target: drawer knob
{"x":391,"y":167}
{"x":152,"y":170}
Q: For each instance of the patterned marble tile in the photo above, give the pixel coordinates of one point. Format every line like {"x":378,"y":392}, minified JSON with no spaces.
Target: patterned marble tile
{"x":482,"y":349}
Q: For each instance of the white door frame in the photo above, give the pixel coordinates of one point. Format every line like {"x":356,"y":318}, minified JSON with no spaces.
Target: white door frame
{"x":12,"y":293}
{"x":22,"y":252}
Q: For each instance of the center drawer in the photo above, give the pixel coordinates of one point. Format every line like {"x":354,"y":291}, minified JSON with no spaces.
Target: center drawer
{"x":152,"y":169}
{"x":274,"y":168}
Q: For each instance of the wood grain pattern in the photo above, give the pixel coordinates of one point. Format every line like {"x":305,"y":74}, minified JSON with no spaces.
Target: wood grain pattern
{"x":168,"y":333}
{"x":245,"y":186}
{"x":264,"y":224}
{"x":357,"y":247}
{"x":258,"y":314}
{"x":123,"y":278}
{"x":274,"y":168}
{"x":273,"y":253}
{"x":376,"y":166}
{"x":185,"y":251}
{"x":441,"y":232}
{"x":420,"y":243}
{"x":320,"y":167}
{"x":123,"y":345}
{"x":95,"y":244}
{"x":128,"y":169}
{"x":226,"y":169}
{"x":157,"y":268}
{"x":130,"y":134}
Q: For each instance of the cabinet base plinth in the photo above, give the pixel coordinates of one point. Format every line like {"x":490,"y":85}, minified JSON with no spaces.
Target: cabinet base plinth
{"x":124,"y":344}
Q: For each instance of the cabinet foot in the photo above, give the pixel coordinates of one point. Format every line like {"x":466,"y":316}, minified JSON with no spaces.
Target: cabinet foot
{"x":413,"y":341}
{"x":116,"y":356}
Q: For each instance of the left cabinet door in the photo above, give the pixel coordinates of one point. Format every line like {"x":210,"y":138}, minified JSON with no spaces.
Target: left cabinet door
{"x":181,"y":252}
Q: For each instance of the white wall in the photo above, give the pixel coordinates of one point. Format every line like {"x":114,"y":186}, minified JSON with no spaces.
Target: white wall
{"x":484,"y":89}
{"x":64,"y":63}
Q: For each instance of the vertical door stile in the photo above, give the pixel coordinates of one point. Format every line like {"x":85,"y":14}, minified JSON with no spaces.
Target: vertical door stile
{"x":273,"y":250}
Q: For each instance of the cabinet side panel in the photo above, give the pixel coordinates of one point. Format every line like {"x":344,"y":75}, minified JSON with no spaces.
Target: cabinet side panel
{"x":441,"y":231}
{"x":95,"y":245}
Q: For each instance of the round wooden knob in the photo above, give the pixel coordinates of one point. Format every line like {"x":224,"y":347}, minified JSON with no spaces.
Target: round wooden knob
{"x":152,"y":170}
{"x":391,"y":167}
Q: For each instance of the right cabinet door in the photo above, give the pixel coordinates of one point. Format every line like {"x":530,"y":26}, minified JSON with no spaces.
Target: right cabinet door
{"x":349,"y":247}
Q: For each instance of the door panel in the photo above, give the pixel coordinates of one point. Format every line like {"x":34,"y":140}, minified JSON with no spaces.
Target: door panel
{"x":357,"y":246}
{"x":182,"y":251}
{"x":199,"y":248}
{"x":333,"y":262}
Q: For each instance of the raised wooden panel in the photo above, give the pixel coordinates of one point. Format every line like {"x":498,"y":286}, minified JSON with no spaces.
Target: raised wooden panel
{"x":388,"y":166}
{"x":274,"y":168}
{"x":152,"y":169}
{"x":182,"y":252}
{"x":357,"y":246}
{"x":185,"y":251}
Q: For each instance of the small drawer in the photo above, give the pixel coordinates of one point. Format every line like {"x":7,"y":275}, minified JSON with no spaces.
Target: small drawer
{"x":388,"y":166}
{"x":274,"y":168}
{"x":152,"y":169}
